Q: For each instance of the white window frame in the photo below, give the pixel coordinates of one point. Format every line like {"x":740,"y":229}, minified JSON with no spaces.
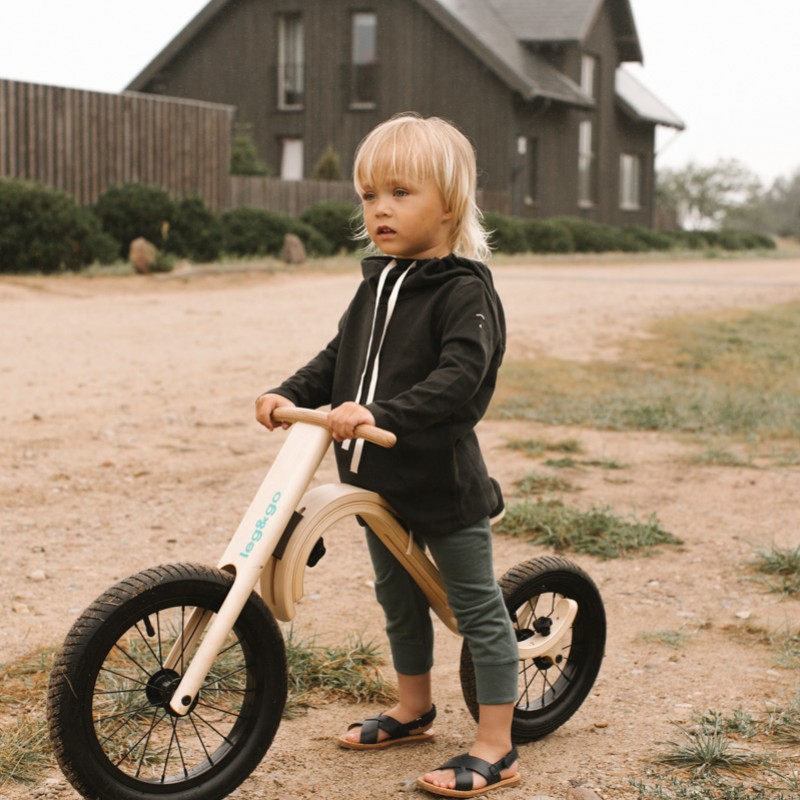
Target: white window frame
{"x":291,"y":61}
{"x":630,"y":182}
{"x":589,"y":75}
{"x":357,"y":58}
{"x":585,"y":164}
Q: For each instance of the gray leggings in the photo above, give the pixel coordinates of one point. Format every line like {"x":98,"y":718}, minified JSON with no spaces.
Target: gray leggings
{"x":464,"y":559}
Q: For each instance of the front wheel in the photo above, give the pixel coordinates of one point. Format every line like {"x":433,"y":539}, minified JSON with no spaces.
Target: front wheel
{"x":111,"y":726}
{"x":550,"y":689}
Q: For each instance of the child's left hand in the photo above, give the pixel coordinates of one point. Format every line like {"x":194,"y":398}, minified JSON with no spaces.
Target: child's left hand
{"x":344,"y":419}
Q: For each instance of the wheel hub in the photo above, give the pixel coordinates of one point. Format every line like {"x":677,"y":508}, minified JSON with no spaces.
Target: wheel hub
{"x":161,"y":687}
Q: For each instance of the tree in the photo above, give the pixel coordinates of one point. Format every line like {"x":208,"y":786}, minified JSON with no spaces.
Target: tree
{"x":708,"y":197}
{"x":329,"y":166}
{"x":244,"y":155}
{"x":782,"y":206}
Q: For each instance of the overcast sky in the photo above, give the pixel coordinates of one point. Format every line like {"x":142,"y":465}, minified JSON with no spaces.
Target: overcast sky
{"x":729,"y":68}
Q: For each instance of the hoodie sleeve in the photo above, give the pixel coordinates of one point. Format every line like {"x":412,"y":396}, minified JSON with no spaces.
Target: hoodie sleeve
{"x":471,"y":342}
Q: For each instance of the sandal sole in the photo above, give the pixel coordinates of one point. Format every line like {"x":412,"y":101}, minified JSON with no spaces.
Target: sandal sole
{"x":386,"y":743}
{"x":440,"y":790}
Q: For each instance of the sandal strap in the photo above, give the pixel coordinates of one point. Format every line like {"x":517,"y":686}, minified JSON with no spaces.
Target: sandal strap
{"x":465,"y":764}
{"x":394,"y":729}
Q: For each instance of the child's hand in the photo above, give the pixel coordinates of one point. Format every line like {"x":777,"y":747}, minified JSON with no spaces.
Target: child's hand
{"x":344,"y":419}
{"x":266,"y":404}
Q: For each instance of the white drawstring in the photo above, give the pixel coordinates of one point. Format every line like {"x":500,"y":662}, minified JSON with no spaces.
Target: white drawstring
{"x":390,"y":306}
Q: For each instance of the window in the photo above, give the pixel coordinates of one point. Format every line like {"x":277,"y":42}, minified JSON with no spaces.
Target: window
{"x":585,"y":164}
{"x":291,"y":159}
{"x":588,"y":73}
{"x":364,"y":63}
{"x":291,"y":62}
{"x":532,"y":172}
{"x":630,"y":172}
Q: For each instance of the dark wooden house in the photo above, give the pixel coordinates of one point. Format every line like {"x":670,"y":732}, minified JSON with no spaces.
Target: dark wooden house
{"x":537,"y":85}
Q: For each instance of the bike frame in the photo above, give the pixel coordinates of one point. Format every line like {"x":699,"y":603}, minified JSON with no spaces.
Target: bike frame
{"x":278,"y":532}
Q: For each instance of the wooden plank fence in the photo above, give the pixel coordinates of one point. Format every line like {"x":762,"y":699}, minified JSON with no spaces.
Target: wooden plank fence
{"x":287,"y":197}
{"x":84,"y":142}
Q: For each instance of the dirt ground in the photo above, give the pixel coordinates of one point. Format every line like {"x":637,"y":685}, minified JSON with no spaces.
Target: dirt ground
{"x":129,"y":440}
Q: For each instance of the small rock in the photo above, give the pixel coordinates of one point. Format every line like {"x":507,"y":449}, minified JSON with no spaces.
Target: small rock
{"x":293,"y":251}
{"x":20,"y":608}
{"x":601,"y":724}
{"x":37,"y":576}
{"x":743,"y":614}
{"x":582,"y":793}
{"x":142,"y":255}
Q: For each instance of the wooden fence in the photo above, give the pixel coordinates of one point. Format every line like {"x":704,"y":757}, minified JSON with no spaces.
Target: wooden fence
{"x":84,"y":142}
{"x":287,"y":197}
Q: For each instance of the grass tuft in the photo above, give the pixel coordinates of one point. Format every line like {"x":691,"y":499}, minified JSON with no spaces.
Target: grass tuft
{"x":781,"y":565}
{"x":598,"y":532}
{"x":703,"y":751}
{"x":319,"y":674}
{"x":537,"y":483}
{"x":537,"y":447}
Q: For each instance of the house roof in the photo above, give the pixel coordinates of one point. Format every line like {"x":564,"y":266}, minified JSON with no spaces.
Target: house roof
{"x":494,"y":30}
{"x":568,"y":21}
{"x":482,"y":30}
{"x":640,"y":103}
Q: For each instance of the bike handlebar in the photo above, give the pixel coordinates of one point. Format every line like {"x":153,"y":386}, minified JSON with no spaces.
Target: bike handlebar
{"x":371,"y":433}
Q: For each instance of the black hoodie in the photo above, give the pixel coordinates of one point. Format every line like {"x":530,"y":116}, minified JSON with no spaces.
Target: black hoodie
{"x":437,"y":371}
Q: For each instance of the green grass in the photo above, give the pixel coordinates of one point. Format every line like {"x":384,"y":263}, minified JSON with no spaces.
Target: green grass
{"x":674,"y":639}
{"x":538,"y":447}
{"x":316,"y":675}
{"x":704,"y":751}
{"x":716,"y":456}
{"x":736,"y":375}
{"x":781,"y":566}
{"x":598,"y":531}
{"x":537,"y":483}
{"x":24,"y":745}
{"x":570,"y":463}
{"x":320,"y":674}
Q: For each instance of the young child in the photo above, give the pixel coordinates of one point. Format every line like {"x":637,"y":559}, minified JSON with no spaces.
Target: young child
{"x":417,"y":352}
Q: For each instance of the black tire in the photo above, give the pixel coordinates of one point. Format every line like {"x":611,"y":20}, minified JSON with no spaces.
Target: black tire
{"x":110,"y":726}
{"x":549,"y":693}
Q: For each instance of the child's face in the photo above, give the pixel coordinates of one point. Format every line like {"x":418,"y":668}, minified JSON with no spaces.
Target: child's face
{"x":408,"y":219}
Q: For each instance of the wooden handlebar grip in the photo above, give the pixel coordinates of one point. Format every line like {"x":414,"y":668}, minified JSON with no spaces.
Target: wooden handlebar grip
{"x":310,"y":416}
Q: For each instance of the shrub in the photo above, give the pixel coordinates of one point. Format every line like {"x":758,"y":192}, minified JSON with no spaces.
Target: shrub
{"x":196,"y":232}
{"x":591,"y":237}
{"x":44,"y":230}
{"x":249,"y":231}
{"x":136,"y":209}
{"x":329,"y":166}
{"x":336,"y":221}
{"x":244,"y":155}
{"x":650,"y":239}
{"x":545,"y":236}
{"x":506,"y":234}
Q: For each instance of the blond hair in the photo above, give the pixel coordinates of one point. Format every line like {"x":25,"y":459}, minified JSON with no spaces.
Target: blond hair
{"x":410,"y":147}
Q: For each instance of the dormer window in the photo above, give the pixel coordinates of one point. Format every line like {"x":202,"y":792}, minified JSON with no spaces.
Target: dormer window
{"x":291,"y":62}
{"x":588,"y":75}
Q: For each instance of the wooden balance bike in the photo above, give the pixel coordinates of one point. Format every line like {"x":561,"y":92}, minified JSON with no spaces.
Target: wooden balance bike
{"x":172,"y":683}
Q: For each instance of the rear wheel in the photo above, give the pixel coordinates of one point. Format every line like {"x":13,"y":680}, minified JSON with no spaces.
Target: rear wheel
{"x":550,"y":689}
{"x":111,"y":726}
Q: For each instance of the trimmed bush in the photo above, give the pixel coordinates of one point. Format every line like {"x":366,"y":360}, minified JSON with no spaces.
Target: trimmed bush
{"x":44,"y":230}
{"x":329,"y":166}
{"x":196,"y":232}
{"x":591,"y":237}
{"x":649,"y":239}
{"x":337,"y":221}
{"x":136,"y":209}
{"x":506,"y":234}
{"x":545,"y":236}
{"x":249,"y":231}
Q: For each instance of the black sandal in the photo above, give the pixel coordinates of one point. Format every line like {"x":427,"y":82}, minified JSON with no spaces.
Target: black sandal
{"x":464,"y":765}
{"x":399,"y":733}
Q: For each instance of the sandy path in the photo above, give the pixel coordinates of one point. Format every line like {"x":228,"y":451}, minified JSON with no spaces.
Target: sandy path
{"x":128,"y":441}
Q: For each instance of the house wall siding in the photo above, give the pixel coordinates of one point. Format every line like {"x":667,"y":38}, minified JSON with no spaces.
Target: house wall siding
{"x":424,"y":68}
